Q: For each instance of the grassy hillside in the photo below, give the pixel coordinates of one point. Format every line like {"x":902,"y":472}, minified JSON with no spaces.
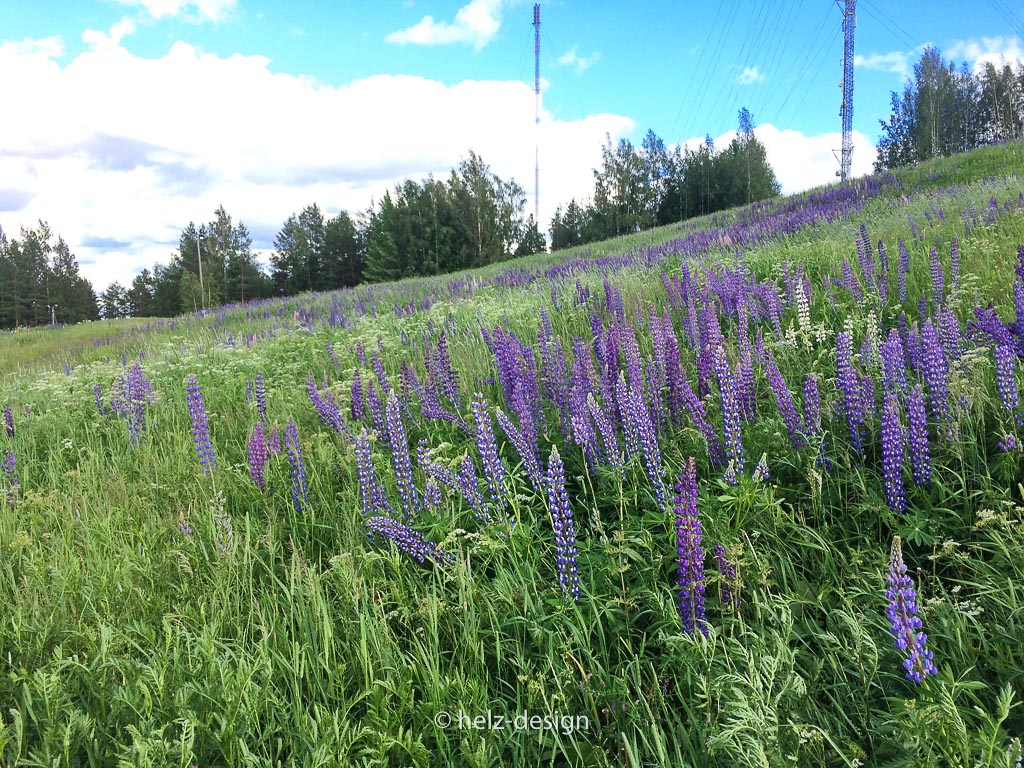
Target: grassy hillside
{"x":634,"y":504}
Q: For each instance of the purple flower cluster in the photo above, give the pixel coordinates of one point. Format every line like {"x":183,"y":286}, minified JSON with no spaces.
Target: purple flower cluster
{"x":849,"y":383}
{"x":689,"y":552}
{"x":564,"y":527}
{"x":260,"y":393}
{"x":917,"y":423}
{"x":9,"y":420}
{"x":904,"y":622}
{"x":300,"y":489}
{"x":730,"y":412}
{"x":494,"y":470}
{"x":892,"y":454}
{"x":406,"y":539}
{"x":784,"y":400}
{"x":132,"y":392}
{"x":200,"y":426}
{"x":401,"y":458}
{"x":258,"y":452}
{"x":1006,"y":380}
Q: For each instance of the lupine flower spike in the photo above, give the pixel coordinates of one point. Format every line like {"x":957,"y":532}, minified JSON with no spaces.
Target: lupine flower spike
{"x":689,"y":552}
{"x":565,"y":529}
{"x":904,"y":622}
{"x":200,"y":427}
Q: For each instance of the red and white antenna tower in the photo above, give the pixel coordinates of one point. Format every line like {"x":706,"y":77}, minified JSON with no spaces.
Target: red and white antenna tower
{"x":536,"y":113}
{"x":846,"y":109}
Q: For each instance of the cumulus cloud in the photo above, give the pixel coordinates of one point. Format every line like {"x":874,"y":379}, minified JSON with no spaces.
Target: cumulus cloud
{"x":474,"y":23}
{"x":750,"y":75}
{"x":998,"y":51}
{"x":897,"y":62}
{"x":572,"y":58}
{"x":195,"y":10}
{"x":802,"y":162}
{"x":158,"y":142}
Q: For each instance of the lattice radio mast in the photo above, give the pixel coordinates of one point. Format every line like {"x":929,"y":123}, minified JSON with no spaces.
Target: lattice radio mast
{"x":536,"y":114}
{"x":846,"y":110}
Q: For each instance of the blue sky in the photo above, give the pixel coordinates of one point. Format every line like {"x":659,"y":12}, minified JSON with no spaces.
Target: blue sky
{"x":134,"y":117}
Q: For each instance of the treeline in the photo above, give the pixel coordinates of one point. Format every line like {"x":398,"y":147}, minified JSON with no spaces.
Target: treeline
{"x":473,"y":218}
{"x":947,"y":109}
{"x":637,"y":188}
{"x":39,"y":281}
{"x":214,"y":265}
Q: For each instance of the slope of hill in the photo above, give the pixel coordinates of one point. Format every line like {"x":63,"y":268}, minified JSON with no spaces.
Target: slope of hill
{"x":742,"y":491}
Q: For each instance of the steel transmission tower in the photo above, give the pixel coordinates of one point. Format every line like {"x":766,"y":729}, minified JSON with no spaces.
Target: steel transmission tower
{"x":536,"y":114}
{"x":846,"y":110}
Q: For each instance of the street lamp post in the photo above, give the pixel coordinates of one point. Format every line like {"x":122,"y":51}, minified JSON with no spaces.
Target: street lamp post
{"x":53,"y":313}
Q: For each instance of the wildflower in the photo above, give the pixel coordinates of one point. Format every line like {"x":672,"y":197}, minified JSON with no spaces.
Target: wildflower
{"x":400,"y":457}
{"x":938,"y":277}
{"x":494,"y":470}
{"x":1006,"y":381}
{"x":689,"y":552}
{"x":920,"y":453}
{"x":408,"y":540}
{"x":258,"y":454}
{"x":892,"y":454}
{"x":849,"y":383}
{"x":761,"y":470}
{"x":200,"y":426}
{"x":9,"y":420}
{"x":936,"y":373}
{"x":358,"y":407}
{"x":904,"y":622}
{"x":260,"y":393}
{"x":300,"y":489}
{"x":564,"y":527}
{"x":97,"y":392}
{"x":784,"y":400}
{"x":730,"y":409}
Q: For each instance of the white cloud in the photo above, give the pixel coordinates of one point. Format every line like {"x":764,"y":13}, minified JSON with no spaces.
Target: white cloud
{"x":999,"y":51}
{"x":750,"y":75}
{"x":474,"y":23}
{"x":571,"y":58}
{"x":197,"y":10}
{"x":802,"y":162}
{"x":158,"y":142}
{"x":898,"y":62}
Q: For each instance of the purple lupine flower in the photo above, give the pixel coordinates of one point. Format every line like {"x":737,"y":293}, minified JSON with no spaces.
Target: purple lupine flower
{"x":326,"y":408}
{"x":274,"y":442}
{"x":200,"y":426}
{"x":904,"y":623}
{"x":784,"y":400}
{"x":1006,"y":380}
{"x":733,"y":429}
{"x":369,"y":488}
{"x":406,"y":539}
{"x":132,"y":392}
{"x":523,"y":448}
{"x":300,"y":489}
{"x":849,"y":383}
{"x":700,"y":420}
{"x":648,"y":440}
{"x":729,"y":579}
{"x":851,"y":282}
{"x":565,"y":529}
{"x":938,"y":277}
{"x":950,"y":334}
{"x":867,"y":256}
{"x":258,"y":453}
{"x":375,"y":407}
{"x":883,"y":274}
{"x":689,"y":552}
{"x":331,"y":353}
{"x":1007,"y":443}
{"x":892,"y":454}
{"x":936,"y":373}
{"x":902,"y":268}
{"x":97,"y":393}
{"x":401,"y":458}
{"x":812,"y":419}
{"x":260,"y":393}
{"x":470,"y":491}
{"x":894,"y":364}
{"x":917,"y":437}
{"x":494,"y":470}
{"x":358,"y":402}
{"x":606,"y":430}
{"x":9,"y":420}
{"x":432,"y":497}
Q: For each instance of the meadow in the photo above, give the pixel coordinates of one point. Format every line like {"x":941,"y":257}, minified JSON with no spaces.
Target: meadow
{"x":743,"y":491}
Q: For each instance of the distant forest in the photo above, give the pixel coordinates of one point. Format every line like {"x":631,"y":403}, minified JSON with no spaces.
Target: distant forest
{"x":473,"y":217}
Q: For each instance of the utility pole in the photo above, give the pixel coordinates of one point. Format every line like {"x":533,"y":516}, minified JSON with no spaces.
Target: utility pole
{"x":53,"y":314}
{"x":199,"y":251}
{"x":536,"y":114}
{"x":849,"y":11}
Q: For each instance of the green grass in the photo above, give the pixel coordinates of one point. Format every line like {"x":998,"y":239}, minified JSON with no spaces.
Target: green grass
{"x":155,"y":616}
